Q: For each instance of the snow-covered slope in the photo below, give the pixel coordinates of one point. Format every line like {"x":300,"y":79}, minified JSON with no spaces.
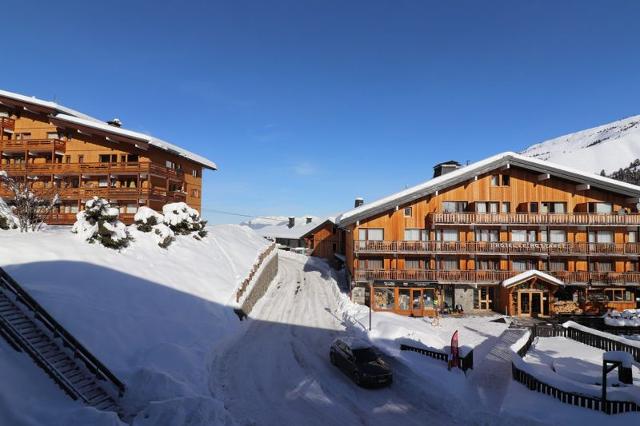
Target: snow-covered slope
{"x":278,"y":226}
{"x":153,"y":316}
{"x":608,"y":147}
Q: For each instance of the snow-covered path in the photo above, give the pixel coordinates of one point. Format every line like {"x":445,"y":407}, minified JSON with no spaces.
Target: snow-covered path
{"x":278,"y":371}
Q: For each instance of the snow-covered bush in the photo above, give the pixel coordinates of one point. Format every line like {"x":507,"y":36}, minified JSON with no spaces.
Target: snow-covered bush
{"x":183,"y":220}
{"x":164,"y":235}
{"x":7,"y":219}
{"x":31,"y":206}
{"x":146,"y":218}
{"x":99,"y":222}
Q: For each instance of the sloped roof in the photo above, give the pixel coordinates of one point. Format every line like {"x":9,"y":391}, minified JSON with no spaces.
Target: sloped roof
{"x":73,"y":117}
{"x":524,"y":276}
{"x":484,"y":166}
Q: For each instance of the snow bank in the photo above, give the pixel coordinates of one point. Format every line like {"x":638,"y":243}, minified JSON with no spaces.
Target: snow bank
{"x":619,"y":356}
{"x":575,"y":325}
{"x":152,"y":316}
{"x":7,"y":218}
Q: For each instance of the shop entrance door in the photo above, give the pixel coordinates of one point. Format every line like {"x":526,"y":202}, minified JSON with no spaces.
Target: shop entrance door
{"x":416,"y":303}
{"x":530,"y":303}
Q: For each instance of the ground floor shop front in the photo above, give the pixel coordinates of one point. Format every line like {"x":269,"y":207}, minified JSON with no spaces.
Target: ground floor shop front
{"x":531,"y":296}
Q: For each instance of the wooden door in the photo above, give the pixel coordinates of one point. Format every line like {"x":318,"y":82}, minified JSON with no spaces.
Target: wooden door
{"x":416,"y":303}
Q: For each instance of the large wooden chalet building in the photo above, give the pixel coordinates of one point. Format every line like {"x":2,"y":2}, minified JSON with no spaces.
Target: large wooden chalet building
{"x":509,"y":233}
{"x":80,"y":156}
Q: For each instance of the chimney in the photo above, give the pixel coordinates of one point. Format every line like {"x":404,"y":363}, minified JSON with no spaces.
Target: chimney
{"x":292,"y":222}
{"x":359,"y":201}
{"x":444,"y":168}
{"x":115,"y":122}
{"x":309,"y":219}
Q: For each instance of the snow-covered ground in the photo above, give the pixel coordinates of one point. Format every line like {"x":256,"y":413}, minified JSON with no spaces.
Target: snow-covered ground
{"x":153,"y":316}
{"x":610,"y":147}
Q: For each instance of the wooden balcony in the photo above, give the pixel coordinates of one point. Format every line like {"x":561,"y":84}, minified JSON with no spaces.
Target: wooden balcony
{"x":575,"y":219}
{"x":121,"y":194}
{"x":90,"y":169}
{"x":33,"y":145}
{"x":7,"y":123}
{"x":70,"y":218}
{"x":496,"y":248}
{"x":493,"y":277}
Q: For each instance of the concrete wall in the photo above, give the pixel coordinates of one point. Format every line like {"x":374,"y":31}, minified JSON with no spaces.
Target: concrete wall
{"x":262,"y":281}
{"x":464,"y":296}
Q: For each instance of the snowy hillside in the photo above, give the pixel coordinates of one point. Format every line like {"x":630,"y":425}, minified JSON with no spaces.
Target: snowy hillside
{"x":608,"y":147}
{"x":278,"y":226}
{"x":153,"y":316}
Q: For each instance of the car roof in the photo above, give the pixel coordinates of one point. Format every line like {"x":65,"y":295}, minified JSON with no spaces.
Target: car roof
{"x":354,"y":342}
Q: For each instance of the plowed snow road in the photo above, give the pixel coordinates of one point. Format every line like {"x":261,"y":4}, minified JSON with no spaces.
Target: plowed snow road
{"x":278,"y":371}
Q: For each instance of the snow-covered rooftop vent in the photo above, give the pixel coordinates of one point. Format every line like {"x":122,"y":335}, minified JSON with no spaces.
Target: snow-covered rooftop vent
{"x":115,"y":122}
{"x":309,"y":219}
{"x":292,"y":222}
{"x":358,"y":202}
{"x":446,"y":167}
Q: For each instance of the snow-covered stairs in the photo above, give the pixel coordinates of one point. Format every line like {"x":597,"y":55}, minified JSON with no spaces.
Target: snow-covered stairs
{"x":30,"y":329}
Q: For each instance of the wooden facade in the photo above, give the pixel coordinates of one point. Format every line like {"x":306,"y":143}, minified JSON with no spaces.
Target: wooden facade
{"x":462,"y":241}
{"x":79,"y":162}
{"x":325,"y":240}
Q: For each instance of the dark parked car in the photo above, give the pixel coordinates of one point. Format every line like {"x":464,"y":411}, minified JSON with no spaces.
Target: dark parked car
{"x":358,"y":360}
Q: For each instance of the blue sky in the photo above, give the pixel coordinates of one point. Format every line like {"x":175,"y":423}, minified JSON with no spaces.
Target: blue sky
{"x":306,"y":104}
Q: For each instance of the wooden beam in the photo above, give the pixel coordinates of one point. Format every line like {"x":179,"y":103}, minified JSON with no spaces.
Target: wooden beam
{"x":544,"y":176}
{"x":633,"y":200}
{"x":583,"y":187}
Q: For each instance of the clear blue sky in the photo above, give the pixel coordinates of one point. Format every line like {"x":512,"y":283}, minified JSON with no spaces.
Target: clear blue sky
{"x":306,"y":104}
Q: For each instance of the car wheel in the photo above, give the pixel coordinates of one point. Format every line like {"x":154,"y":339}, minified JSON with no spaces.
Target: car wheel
{"x":356,"y":378}
{"x":332,"y":357}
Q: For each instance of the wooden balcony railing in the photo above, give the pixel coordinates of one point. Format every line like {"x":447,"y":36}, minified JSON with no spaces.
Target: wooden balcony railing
{"x":91,"y":169}
{"x":155,"y":193}
{"x":35,"y":145}
{"x":493,"y":277}
{"x":496,"y":248}
{"x":70,"y":218}
{"x":533,"y":219}
{"x":7,"y":123}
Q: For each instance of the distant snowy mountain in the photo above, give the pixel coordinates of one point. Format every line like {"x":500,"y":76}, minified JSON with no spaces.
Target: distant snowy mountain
{"x":609,"y":147}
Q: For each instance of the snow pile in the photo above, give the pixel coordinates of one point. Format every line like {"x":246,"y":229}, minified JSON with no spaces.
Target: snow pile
{"x":625,"y":358}
{"x":278,"y":226}
{"x":628,"y":318}
{"x":148,"y":220}
{"x":591,"y":150}
{"x":7,"y":219}
{"x":99,"y":222}
{"x":153,"y":316}
{"x":183,"y":220}
{"x":620,"y":339}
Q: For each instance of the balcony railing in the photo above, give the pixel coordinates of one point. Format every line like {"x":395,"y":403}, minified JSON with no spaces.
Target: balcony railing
{"x":7,"y":123}
{"x":582,"y":219}
{"x":91,"y":169}
{"x":493,"y":277}
{"x":158,"y":194}
{"x":70,"y":218}
{"x":35,"y":145}
{"x":496,"y":248}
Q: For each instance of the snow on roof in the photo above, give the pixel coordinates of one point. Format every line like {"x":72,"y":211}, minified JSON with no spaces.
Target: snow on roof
{"x":74,"y":117}
{"x":483,"y":166}
{"x":529,"y":274}
{"x":278,"y":226}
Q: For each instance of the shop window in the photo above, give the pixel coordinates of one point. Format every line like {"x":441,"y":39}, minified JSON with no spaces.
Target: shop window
{"x":404,"y":299}
{"x":384,"y":298}
{"x":428,"y":298}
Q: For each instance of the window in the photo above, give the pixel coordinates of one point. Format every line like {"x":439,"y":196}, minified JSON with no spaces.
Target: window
{"x":108,"y":158}
{"x":449,"y":264}
{"x":523,"y":235}
{"x":195,"y":173}
{"x":170,"y":165}
{"x":454,"y":206}
{"x":67,"y":159}
{"x":506,"y":180}
{"x":495,"y":180}
{"x":632,"y":237}
{"x":600,"y":266}
{"x":80,"y":159}
{"x":557,"y":266}
{"x":487,"y":235}
{"x":557,"y":236}
{"x":132,"y":208}
{"x":411,"y":264}
{"x":371,"y":234}
{"x":195,"y":193}
{"x":487,"y":207}
{"x":506,"y":207}
{"x":500,"y":180}
{"x":384,"y":298}
{"x":103,"y":183}
{"x":600,"y":208}
{"x":408,"y":211}
{"x":523,"y":265}
{"x":413,"y":234}
{"x":428,"y":296}
{"x":24,"y":135}
{"x":488,"y":265}
{"x":553,"y":207}
{"x":446,"y":235}
{"x":53,"y":135}
{"x":601,"y":236}
{"x":618,"y":295}
{"x":533,"y":207}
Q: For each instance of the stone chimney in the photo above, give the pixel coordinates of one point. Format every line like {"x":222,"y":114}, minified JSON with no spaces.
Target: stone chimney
{"x":292,"y":222}
{"x":444,"y":168}
{"x":359,"y":201}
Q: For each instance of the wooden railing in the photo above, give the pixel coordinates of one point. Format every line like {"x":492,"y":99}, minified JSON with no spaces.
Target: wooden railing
{"x":7,"y":123}
{"x":464,"y":363}
{"x":533,"y":219}
{"x":498,"y":247}
{"x":85,"y":193}
{"x":492,"y":276}
{"x":90,"y":169}
{"x":33,"y":145}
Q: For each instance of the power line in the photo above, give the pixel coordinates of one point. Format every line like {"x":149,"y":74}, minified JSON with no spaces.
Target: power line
{"x":242,"y":215}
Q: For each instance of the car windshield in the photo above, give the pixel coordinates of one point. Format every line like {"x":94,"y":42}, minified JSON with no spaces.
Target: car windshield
{"x":364,"y":355}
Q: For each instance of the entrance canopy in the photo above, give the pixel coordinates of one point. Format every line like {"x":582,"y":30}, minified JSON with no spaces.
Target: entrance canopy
{"x":532,"y":273}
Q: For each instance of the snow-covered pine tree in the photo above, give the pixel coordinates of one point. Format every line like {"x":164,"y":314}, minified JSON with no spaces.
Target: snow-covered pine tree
{"x":148,"y":220}
{"x":183,"y":220}
{"x":99,"y":222}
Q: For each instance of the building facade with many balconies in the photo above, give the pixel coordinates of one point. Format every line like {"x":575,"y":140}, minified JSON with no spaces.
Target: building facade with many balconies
{"x":509,"y":233}
{"x":60,"y":150}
